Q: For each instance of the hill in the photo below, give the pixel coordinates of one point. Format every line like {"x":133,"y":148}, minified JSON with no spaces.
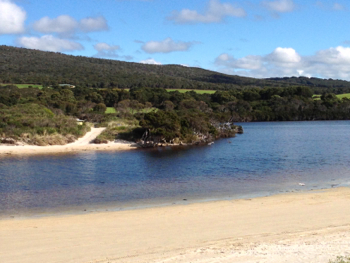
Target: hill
{"x":20,"y":65}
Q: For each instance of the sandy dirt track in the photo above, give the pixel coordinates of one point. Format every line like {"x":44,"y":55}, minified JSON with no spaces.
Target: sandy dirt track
{"x":299,"y":227}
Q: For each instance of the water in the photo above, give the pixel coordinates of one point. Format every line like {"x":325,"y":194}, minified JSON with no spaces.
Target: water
{"x":268,"y":158}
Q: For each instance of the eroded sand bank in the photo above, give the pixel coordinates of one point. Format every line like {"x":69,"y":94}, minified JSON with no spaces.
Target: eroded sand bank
{"x":300,"y":227}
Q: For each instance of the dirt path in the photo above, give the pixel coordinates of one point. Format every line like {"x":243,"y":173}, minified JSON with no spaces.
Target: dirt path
{"x":88,"y":137}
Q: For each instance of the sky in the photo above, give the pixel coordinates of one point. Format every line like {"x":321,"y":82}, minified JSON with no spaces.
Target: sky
{"x":256,"y":38}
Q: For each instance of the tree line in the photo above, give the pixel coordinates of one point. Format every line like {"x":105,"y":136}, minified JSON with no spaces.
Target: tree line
{"x":180,"y":115}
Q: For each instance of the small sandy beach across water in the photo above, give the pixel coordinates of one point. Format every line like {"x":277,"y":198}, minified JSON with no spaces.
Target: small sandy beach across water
{"x":82,"y":144}
{"x":304,"y":227}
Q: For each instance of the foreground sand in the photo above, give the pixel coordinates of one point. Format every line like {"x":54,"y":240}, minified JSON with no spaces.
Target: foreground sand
{"x":82,"y":144}
{"x":299,"y":227}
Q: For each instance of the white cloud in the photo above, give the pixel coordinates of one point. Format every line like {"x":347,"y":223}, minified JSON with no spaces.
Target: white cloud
{"x":48,"y":43}
{"x":284,"y":56}
{"x":333,"y":56}
{"x":279,"y":6}
{"x":215,"y":13}
{"x":166,"y":46}
{"x":61,"y":24}
{"x":67,"y":25}
{"x":12,"y":18}
{"x":91,"y":24}
{"x":329,"y":63}
{"x":150,"y":61}
{"x":106,"y":50}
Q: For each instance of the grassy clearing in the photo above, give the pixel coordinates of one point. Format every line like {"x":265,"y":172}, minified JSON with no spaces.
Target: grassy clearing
{"x":22,"y":86}
{"x":199,"y":91}
{"x":341,"y":96}
{"x":110,"y":110}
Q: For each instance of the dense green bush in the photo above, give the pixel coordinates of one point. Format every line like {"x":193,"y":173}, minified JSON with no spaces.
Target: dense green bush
{"x":25,"y":121}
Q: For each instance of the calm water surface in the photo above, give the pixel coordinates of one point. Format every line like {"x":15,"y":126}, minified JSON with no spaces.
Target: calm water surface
{"x":268,"y":158}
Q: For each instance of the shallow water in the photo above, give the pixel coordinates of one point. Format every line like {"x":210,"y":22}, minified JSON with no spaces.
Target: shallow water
{"x":268,"y":158}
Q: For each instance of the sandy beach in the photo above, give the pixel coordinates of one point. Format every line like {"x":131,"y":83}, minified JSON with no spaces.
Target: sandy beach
{"x":82,"y":144}
{"x":312,"y":226}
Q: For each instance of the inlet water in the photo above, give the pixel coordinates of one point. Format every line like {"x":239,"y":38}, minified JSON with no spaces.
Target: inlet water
{"x":268,"y":158}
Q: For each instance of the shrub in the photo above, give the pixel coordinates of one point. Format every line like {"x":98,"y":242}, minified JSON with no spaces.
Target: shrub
{"x":340,"y":259}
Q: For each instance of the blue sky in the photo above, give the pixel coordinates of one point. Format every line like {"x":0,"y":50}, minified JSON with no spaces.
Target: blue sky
{"x":257,"y":38}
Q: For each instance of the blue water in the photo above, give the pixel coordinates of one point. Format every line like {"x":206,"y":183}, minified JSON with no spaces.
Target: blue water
{"x":268,"y":158}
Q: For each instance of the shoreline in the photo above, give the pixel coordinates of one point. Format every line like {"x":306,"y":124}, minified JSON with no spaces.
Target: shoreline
{"x":311,"y":226}
{"x":63,"y":149}
{"x":80,"y":145}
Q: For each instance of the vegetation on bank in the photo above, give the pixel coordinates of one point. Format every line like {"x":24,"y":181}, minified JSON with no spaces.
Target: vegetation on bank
{"x":35,"y":124}
{"x":164,"y":116}
{"x":143,"y":102}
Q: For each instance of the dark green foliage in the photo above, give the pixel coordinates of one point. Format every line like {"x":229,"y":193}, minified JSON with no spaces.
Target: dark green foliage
{"x":100,"y":108}
{"x":162,"y":123}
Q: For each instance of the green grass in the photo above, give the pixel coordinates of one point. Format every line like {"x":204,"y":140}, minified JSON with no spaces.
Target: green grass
{"x":22,"y":86}
{"x":339,"y":96}
{"x":316,"y":97}
{"x":112,"y":110}
{"x":346,"y":95}
{"x":195,"y":90}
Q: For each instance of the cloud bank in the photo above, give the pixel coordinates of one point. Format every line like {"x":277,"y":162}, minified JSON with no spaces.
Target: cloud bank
{"x":329,"y":63}
{"x":49,"y":43}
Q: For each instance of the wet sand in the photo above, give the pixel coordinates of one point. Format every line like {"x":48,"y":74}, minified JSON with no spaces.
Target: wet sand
{"x":312,"y":226}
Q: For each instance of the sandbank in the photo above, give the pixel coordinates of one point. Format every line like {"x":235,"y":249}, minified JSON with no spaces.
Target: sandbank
{"x":312,"y":226}
{"x":80,"y":145}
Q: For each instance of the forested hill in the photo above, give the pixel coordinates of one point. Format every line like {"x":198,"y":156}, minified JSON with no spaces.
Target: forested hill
{"x":19,"y":65}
